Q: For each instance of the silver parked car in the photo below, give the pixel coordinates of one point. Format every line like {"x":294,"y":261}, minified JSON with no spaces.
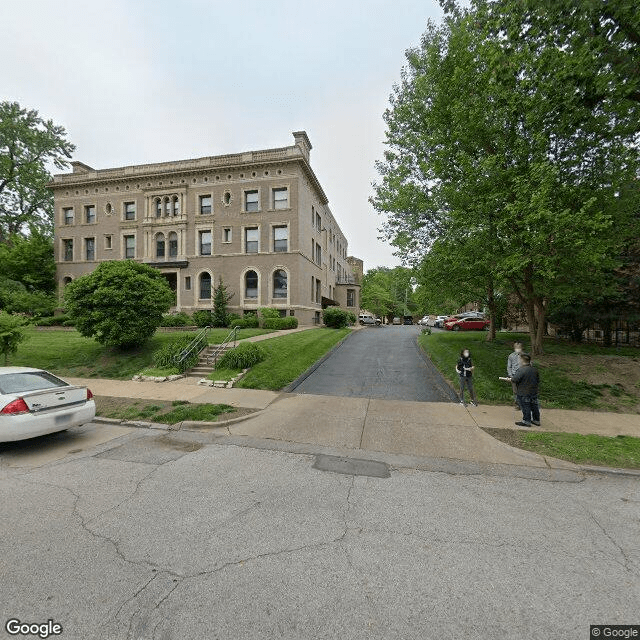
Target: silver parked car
{"x":34,"y":402}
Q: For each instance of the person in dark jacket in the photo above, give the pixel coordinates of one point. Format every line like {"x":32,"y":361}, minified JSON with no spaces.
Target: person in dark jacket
{"x":465,"y":371}
{"x":527,"y":381}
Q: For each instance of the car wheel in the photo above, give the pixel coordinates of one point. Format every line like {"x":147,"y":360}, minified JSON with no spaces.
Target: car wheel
{"x":456,"y":328}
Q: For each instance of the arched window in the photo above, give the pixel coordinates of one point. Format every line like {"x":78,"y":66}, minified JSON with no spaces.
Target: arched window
{"x":279,"y":283}
{"x":160,"y":251}
{"x":167,"y":207}
{"x":158,"y":207}
{"x":205,"y":286}
{"x":251,"y":284}
{"x":176,"y":206}
{"x":173,"y":245}
{"x":66,"y":280}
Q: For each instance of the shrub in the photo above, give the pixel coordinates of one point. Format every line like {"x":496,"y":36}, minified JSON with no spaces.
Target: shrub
{"x":245,"y":355}
{"x":52,"y":321}
{"x":221,"y":297}
{"x":268,"y":312}
{"x":249,"y":321}
{"x":180,"y":319}
{"x":335,"y":318}
{"x":166,"y":356}
{"x":120,"y":303}
{"x":11,"y":334}
{"x":280,"y":323}
{"x":352,"y":317}
{"x":232,"y":317}
{"x":202,"y":318}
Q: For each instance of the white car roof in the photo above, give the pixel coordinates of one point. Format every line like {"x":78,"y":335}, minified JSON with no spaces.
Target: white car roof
{"x":18,"y":370}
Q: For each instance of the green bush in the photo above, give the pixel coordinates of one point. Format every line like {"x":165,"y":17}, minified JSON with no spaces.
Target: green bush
{"x":180,"y":319}
{"x":202,"y":318}
{"x":335,"y":318}
{"x":166,"y":356}
{"x":268,"y":312}
{"x":232,"y":317}
{"x":280,"y":323}
{"x":249,"y":321}
{"x":52,"y":321}
{"x":245,"y":355}
{"x":11,"y":334}
{"x":120,"y":303}
{"x":352,"y":317}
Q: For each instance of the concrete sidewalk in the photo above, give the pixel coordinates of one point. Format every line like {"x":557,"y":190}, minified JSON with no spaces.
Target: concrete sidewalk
{"x":428,"y":429}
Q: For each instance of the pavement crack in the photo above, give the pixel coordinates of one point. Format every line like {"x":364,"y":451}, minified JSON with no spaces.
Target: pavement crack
{"x":627,"y":564}
{"x":364,"y":422}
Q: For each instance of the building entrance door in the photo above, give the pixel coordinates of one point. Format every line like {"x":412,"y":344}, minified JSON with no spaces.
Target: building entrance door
{"x":172,"y":281}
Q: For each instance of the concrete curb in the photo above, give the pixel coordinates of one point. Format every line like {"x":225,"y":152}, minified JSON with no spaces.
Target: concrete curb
{"x":303,"y":376}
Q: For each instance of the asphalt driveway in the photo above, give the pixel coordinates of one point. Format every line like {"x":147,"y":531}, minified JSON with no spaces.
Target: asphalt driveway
{"x":379,"y":362}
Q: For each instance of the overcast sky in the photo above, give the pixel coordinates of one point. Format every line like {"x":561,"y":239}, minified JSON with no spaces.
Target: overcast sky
{"x":137,"y":81}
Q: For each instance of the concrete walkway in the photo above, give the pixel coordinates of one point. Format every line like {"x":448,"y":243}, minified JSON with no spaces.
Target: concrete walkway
{"x":424,"y":429}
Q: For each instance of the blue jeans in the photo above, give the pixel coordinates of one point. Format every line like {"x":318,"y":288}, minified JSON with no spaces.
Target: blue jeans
{"x":466,"y":381}
{"x":530,"y":408}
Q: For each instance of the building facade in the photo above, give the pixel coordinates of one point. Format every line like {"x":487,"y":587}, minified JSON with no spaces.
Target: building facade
{"x":258,"y":220}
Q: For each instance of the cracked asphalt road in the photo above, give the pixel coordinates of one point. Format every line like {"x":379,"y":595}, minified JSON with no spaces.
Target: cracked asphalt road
{"x":379,"y":362}
{"x":156,"y":537}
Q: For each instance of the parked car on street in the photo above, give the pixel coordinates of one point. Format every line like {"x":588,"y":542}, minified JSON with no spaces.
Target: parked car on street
{"x":369,"y":320}
{"x":424,"y":320}
{"x":465,"y":323}
{"x":407,"y":320}
{"x":34,"y":402}
{"x":397,"y":320}
{"x":438,"y":321}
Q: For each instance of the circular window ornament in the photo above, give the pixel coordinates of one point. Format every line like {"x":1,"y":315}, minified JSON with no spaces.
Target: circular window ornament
{"x":108,"y":208}
{"x":227,"y":198}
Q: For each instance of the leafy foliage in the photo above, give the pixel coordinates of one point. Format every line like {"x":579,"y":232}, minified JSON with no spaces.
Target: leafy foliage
{"x":202,"y":318}
{"x":120,"y":304}
{"x":180,"y":319}
{"x":221,"y":297}
{"x":11,"y":334}
{"x":248,"y":321}
{"x":288,"y":322}
{"x":335,"y":318}
{"x":167,"y":355}
{"x":245,"y":355}
{"x":28,"y":144}
{"x":29,"y":260}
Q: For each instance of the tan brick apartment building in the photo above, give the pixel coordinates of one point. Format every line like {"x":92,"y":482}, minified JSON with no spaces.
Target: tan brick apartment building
{"x":260,"y":220}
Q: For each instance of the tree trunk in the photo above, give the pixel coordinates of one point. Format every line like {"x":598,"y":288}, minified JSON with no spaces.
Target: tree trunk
{"x":491,"y":304}
{"x":537,"y":347}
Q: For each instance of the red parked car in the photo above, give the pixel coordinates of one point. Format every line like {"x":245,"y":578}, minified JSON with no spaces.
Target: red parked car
{"x":466,"y":323}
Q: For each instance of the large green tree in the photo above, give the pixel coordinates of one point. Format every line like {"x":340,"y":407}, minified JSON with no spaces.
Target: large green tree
{"x":29,"y":260}
{"x":519,"y":181}
{"x":28,"y":146}
{"x":119,"y":304}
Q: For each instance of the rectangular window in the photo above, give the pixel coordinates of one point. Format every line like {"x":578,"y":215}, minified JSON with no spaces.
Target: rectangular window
{"x":160,"y":247}
{"x":90,"y":213}
{"x":187,"y":283}
{"x":251,"y":240}
{"x":68,"y":215}
{"x":90,"y":248}
{"x":281,"y":198}
{"x":108,"y":242}
{"x":280,"y":238}
{"x":318,"y":254}
{"x":173,"y":245}
{"x":351,"y":297}
{"x":205,"y":243}
{"x":226,"y":234}
{"x":318,"y":291}
{"x":251,"y":200}
{"x":318,"y":222}
{"x":205,"y":286}
{"x":129,"y":210}
{"x":67,"y":246}
{"x":129,"y":246}
{"x":205,"y":204}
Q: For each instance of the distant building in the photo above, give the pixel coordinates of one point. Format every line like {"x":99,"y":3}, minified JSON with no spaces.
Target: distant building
{"x":259,"y":220}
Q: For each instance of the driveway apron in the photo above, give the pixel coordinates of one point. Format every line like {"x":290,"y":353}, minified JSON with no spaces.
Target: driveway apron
{"x":379,"y":362}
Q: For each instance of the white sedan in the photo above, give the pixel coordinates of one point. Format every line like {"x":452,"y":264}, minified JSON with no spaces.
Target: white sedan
{"x":34,"y":402}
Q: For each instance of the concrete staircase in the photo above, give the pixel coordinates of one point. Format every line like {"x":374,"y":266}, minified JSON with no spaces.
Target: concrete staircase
{"x":203,"y":368}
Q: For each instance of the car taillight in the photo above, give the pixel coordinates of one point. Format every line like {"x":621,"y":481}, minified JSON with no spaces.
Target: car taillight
{"x":16,"y":407}
{"x":89,"y":394}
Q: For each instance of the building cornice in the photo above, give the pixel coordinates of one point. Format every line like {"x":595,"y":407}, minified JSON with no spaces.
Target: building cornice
{"x":85,"y":176}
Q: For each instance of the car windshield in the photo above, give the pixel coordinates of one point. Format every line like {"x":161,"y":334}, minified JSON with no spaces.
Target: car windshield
{"x":29,"y":381}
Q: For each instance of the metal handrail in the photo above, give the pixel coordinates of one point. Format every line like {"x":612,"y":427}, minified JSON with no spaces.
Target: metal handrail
{"x":233,"y":335}
{"x":199,"y":342}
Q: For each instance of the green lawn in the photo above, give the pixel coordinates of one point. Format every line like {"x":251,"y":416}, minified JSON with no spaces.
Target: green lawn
{"x":159,"y":411}
{"x":290,"y":356}
{"x":559,"y":389}
{"x":67,"y":353}
{"x":618,"y":451}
